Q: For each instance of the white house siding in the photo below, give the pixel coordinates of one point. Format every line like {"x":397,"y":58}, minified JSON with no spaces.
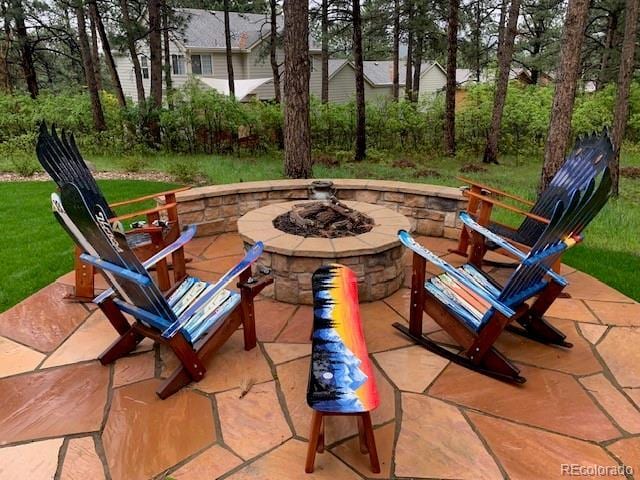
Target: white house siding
{"x":342,"y":85}
{"x":432,"y":81}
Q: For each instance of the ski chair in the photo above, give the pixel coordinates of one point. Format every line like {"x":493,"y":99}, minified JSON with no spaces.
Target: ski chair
{"x":193,"y":319}
{"x":341,"y":377}
{"x":589,"y":158}
{"x":474,"y":309}
{"x":61,"y":159}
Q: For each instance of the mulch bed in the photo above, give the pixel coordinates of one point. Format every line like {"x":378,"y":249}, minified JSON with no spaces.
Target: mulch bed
{"x":43,"y":177}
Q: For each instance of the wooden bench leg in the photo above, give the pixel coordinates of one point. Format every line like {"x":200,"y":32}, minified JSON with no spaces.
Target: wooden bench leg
{"x":314,"y":436}
{"x":371,"y":442}
{"x":362,"y":437}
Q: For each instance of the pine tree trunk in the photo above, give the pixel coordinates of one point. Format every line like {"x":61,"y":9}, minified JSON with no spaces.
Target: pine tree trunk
{"x":108,"y":56}
{"x":26,"y":53}
{"x":273,"y":50}
{"x":166,"y":46}
{"x":408,"y":77}
{"x":227,"y":37}
{"x":95,"y":55}
{"x":297,"y":128}
{"x":612,"y":27}
{"x":563,"y":99}
{"x":625,"y":75}
{"x":358,"y":60}
{"x":501,"y":22}
{"x":155,"y":61}
{"x":5,"y":46}
{"x":89,"y":72}
{"x":133,"y":53}
{"x":502,"y":83}
{"x":450,"y":97}
{"x":417,"y":69}
{"x":396,"y":50}
{"x":324,"y":91}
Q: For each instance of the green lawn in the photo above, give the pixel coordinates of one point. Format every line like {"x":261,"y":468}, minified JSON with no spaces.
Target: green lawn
{"x":35,"y":250}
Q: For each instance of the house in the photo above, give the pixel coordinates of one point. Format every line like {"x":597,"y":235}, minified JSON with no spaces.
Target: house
{"x":378,"y":79}
{"x":199,"y":50}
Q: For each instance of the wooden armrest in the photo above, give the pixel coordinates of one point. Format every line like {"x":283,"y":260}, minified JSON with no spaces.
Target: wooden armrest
{"x":144,"y":212}
{"x":147,"y":229}
{"x":506,"y":206}
{"x":148,"y":197}
{"x":495,"y":190}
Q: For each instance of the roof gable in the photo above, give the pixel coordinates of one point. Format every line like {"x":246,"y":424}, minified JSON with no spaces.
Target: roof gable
{"x":204,"y":29}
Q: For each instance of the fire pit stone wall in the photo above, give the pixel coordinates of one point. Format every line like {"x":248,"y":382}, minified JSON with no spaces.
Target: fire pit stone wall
{"x":432,"y":209}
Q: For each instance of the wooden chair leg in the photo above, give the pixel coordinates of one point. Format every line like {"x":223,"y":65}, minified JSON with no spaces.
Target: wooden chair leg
{"x":115,"y":316}
{"x":187,"y":356}
{"x":248,"y":312}
{"x":321,"y":437}
{"x":316,"y":424}
{"x":84,"y":280}
{"x":362,"y":437}
{"x":162,"y":270}
{"x":178,"y":379}
{"x":371,"y":442}
{"x":418,"y":275}
{"x":121,"y":347}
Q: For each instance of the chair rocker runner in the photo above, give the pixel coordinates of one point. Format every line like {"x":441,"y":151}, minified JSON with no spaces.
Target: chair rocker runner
{"x":194,"y":319}
{"x":590,"y":157}
{"x":341,"y":377}
{"x":62,"y":160}
{"x":474,"y":309}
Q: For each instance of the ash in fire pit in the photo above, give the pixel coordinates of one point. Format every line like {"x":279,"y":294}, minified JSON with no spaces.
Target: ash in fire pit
{"x":326,"y":219}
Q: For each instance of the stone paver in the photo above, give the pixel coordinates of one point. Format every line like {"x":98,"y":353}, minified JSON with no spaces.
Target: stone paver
{"x":613,"y":402}
{"x":620,"y":351}
{"x":571,"y":309}
{"x":35,"y":461}
{"x":81,"y":462}
{"x":298,"y":329}
{"x":529,"y":453}
{"x":615,"y":313}
{"x":16,"y":358}
{"x":284,"y":352}
{"x":134,"y":369}
{"x":144,"y":435}
{"x":349,"y":452}
{"x":576,"y":407}
{"x":628,"y":451}
{"x":87,"y":343}
{"x":252,"y":423}
{"x":42,"y":328}
{"x":52,"y":403}
{"x":437,"y":442}
{"x":234,"y":366}
{"x":210,"y":464}
{"x":287,"y":463}
{"x":593,"y":333}
{"x":578,"y":360}
{"x":403,"y":364}
{"x":551,"y":400}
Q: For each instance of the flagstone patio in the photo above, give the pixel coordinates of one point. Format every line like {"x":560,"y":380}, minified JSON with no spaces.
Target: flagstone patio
{"x":65,"y":416}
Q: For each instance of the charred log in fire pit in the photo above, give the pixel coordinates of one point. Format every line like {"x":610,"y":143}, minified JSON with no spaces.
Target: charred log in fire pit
{"x":325,"y":219}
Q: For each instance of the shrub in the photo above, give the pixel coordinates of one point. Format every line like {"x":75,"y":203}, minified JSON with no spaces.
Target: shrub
{"x":25,"y":166}
{"x":186,"y":172}
{"x":134,"y":164}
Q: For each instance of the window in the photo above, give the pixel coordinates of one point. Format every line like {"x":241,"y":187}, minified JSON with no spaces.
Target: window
{"x":144,"y":64}
{"x":177,"y":62}
{"x":201,"y":65}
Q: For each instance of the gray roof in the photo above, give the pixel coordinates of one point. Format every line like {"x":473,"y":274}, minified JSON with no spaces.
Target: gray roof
{"x":379,"y":73}
{"x":205,"y":29}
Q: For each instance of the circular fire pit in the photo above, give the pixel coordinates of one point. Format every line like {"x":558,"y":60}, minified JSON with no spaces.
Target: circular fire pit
{"x":375,"y":256}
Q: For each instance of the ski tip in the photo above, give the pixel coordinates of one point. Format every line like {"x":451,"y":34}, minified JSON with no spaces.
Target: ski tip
{"x":405,"y":237}
{"x":257,"y":249}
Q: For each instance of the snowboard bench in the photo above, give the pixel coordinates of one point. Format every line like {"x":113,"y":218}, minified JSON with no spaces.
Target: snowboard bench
{"x":341,"y":377}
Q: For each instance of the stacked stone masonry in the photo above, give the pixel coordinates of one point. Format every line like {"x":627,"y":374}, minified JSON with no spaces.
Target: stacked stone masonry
{"x":432,"y":209}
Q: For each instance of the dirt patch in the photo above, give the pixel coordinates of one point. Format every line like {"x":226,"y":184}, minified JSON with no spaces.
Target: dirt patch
{"x":325,"y":159}
{"x":43,"y":177}
{"x":473,"y":168}
{"x":630,"y":172}
{"x":404,"y":163}
{"x":428,"y":172}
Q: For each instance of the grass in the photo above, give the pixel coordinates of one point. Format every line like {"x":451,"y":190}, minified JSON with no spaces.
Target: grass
{"x":36,"y":251}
